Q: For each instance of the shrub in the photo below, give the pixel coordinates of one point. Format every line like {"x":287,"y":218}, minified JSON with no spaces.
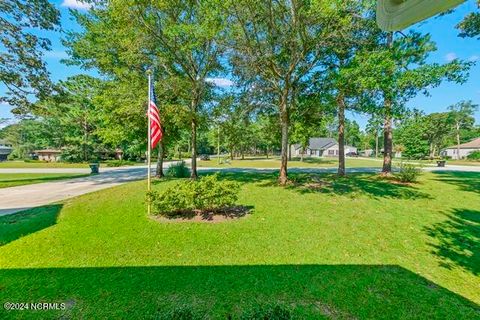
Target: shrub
{"x":118,"y":163}
{"x":408,"y":173}
{"x":205,"y":194}
{"x":270,"y":312}
{"x":178,"y":170}
{"x":475,"y":155}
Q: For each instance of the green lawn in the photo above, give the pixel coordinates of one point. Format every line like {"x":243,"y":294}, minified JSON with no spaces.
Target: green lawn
{"x":19,"y":179}
{"x":361,"y":248}
{"x":274,"y":163}
{"x":23,"y":164}
{"x":41,"y":164}
{"x":452,"y":162}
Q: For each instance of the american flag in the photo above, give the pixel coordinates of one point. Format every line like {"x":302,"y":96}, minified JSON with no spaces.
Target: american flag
{"x":156,"y":133}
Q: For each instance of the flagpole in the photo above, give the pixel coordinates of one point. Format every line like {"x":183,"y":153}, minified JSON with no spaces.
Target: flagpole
{"x":149,"y":148}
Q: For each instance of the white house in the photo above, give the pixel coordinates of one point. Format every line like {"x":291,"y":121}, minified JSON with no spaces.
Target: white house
{"x":465,"y":149}
{"x":320,"y":147}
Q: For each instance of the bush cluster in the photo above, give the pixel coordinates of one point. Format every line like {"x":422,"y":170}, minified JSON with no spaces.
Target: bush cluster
{"x":118,"y":163}
{"x":205,"y":194}
{"x":474,"y":156}
{"x":178,"y":170}
{"x":408,"y":173}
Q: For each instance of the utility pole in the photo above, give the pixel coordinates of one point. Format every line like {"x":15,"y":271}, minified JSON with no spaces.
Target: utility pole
{"x":218,"y":144}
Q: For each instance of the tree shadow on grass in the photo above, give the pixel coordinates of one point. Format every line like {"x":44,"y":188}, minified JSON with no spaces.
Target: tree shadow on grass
{"x":17,"y":225}
{"x":466,"y":181}
{"x":227,"y":292}
{"x":458,"y":240}
{"x":355,"y":184}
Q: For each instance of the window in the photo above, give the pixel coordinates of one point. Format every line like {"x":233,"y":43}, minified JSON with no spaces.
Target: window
{"x":331,"y":152}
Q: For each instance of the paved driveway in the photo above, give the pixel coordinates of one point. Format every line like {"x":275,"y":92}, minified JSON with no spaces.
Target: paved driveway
{"x":20,"y":198}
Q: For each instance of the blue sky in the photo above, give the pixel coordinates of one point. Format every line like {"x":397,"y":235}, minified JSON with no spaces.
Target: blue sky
{"x":442,"y":30}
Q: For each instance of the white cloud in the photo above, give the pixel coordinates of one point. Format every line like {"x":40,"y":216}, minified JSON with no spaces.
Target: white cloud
{"x":56,"y":54}
{"x":474,"y":58}
{"x":220,"y":82}
{"x":450,"y":56}
{"x":76,"y":4}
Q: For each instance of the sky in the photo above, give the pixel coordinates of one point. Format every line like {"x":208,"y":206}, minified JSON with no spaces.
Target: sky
{"x":441,"y":28}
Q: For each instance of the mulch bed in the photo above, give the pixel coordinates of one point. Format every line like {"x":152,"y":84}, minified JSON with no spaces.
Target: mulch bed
{"x":221,"y":215}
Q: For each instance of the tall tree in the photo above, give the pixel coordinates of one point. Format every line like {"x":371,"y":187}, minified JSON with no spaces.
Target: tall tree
{"x":358,"y":33}
{"x":74,"y":111}
{"x":278,"y":44}
{"x":310,"y":115}
{"x":122,"y":39}
{"x":437,"y":129}
{"x":395,"y":70}
{"x":22,"y":69}
{"x":461,"y":115}
{"x":188,"y":37}
{"x":411,"y":134}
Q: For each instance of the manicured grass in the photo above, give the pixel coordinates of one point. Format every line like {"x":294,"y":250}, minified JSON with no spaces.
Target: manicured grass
{"x":23,"y":164}
{"x":274,"y":163}
{"x":51,"y":165}
{"x":19,"y":179}
{"x":453,"y":162}
{"x":356,"y":248}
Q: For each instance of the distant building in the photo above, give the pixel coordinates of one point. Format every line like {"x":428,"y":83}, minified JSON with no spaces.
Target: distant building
{"x":367,"y":153}
{"x":465,"y":149}
{"x":320,"y":147}
{"x":50,"y":155}
{"x":5,"y":149}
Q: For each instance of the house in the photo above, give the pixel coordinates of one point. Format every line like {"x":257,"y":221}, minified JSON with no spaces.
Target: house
{"x":50,"y":155}
{"x":367,"y":153}
{"x":5,"y":149}
{"x":320,"y":147}
{"x":465,"y":149}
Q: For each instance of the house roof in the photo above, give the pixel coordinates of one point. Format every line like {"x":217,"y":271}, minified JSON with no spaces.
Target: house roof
{"x":319,"y":143}
{"x":48,"y":151}
{"x":474,"y":144}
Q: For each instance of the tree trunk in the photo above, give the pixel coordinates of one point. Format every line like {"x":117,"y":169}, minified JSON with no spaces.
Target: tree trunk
{"x":387,"y":139}
{"x":193,"y":109}
{"x":458,"y":140}
{"x":194,"y":174}
{"x":341,"y":135}
{"x":267,"y":152}
{"x":301,"y":154}
{"x":161,"y":155}
{"x":218,"y":146}
{"x":376,"y":143}
{"x":289,"y":152}
{"x":283,"y":178}
{"x":387,"y":127}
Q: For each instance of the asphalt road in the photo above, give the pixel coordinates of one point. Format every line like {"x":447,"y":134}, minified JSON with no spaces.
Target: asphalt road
{"x":20,"y":198}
